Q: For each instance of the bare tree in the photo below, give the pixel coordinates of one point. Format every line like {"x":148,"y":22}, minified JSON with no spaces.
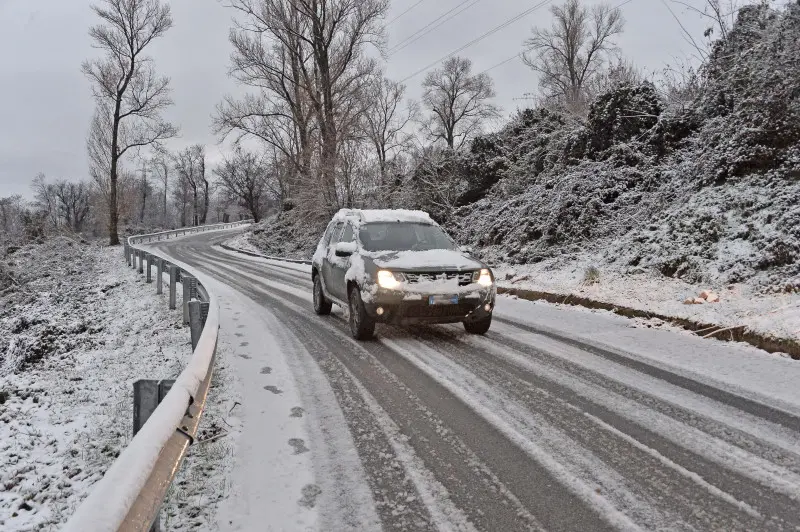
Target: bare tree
{"x":145,"y":188}
{"x":307,"y":57}
{"x":160,"y":168}
{"x":679,"y":85}
{"x":13,"y":211}
{"x":46,"y":200}
{"x":611,"y":77}
{"x":339,"y":31}
{"x":268,"y":51}
{"x":437,"y":185}
{"x":458,"y":102}
{"x":181,"y":197}
{"x":73,"y":203}
{"x":63,"y":203}
{"x":243,"y":177}
{"x":125,"y":86}
{"x":569,"y":53}
{"x":387,"y":119}
{"x":190,"y":164}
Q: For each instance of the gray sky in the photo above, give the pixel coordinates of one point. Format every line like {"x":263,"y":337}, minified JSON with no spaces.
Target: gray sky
{"x":46,"y":105}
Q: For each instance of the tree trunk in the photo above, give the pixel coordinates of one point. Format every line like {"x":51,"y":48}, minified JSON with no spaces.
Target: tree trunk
{"x":144,"y":198}
{"x":204,"y":215}
{"x":194,"y":206}
{"x":113,"y":234}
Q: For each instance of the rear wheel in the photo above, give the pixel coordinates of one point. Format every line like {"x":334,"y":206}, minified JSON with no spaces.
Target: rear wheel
{"x":480,"y":326}
{"x":322,"y":305}
{"x":362,"y":326}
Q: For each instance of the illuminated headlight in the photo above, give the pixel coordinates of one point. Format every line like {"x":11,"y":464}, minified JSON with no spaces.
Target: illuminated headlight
{"x":484,"y":277}
{"x":387,"y":279}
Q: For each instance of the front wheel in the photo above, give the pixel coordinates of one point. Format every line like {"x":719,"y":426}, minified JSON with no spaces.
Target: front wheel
{"x":322,"y":305}
{"x":362,"y":327}
{"x":480,"y":326}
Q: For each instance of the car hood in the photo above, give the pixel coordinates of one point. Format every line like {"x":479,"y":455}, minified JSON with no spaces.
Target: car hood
{"x":435,"y":259}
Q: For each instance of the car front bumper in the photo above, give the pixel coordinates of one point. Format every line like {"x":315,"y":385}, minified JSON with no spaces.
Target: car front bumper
{"x":407,"y":308}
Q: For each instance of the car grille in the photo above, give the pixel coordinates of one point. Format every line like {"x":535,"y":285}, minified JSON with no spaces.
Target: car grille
{"x":464,"y":278}
{"x":438,"y":311}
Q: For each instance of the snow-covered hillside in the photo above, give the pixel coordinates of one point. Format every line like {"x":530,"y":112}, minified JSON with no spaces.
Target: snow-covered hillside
{"x":704,"y":192}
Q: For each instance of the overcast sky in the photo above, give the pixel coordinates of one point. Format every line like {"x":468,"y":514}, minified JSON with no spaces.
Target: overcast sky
{"x":46,"y":105}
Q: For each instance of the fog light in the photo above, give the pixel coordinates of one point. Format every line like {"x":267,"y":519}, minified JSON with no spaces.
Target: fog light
{"x":487,"y":307}
{"x":379,"y":311}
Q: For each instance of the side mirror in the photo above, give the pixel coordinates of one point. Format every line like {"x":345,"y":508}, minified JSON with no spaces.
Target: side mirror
{"x":345,"y":249}
{"x":466,"y":249}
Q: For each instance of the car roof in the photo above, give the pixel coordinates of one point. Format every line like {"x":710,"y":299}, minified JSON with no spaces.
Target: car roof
{"x":383,"y":215}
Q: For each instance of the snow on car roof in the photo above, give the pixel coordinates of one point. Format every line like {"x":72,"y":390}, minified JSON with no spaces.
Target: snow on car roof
{"x":384,"y":215}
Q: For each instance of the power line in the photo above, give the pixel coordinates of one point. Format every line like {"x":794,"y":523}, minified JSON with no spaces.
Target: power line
{"x":428,"y":25}
{"x":401,"y":45}
{"x":501,"y":63}
{"x":405,"y":12}
{"x":480,"y":38}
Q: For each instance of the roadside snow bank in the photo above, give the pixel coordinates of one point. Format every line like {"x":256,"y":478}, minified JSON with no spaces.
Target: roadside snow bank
{"x":774,"y":315}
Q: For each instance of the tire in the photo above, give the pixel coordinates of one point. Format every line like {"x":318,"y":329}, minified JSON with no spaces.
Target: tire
{"x":322,"y":305}
{"x":480,"y":326}
{"x":362,"y":327}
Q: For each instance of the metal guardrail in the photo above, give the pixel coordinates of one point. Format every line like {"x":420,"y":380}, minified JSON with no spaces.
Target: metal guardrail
{"x":131,"y":492}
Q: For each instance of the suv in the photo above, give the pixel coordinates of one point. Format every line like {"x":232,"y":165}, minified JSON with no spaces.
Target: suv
{"x":399,"y":267}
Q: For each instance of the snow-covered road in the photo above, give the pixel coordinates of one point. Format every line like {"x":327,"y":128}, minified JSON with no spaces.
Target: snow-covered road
{"x":557,"y":420}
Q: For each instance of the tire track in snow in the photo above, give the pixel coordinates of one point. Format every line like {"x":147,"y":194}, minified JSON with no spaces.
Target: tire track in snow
{"x":771,"y":489}
{"x":763,"y":411}
{"x":678,"y":501}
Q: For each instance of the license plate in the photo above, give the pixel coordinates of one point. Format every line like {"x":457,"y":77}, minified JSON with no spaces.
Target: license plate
{"x":442,"y":300}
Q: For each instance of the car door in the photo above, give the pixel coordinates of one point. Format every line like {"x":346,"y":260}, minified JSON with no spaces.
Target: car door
{"x":327,"y":266}
{"x":340,"y":265}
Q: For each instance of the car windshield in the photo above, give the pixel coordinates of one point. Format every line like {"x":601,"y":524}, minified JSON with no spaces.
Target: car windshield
{"x":395,"y":236}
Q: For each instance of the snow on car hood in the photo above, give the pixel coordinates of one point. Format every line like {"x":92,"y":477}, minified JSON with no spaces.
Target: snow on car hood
{"x":445,"y":259}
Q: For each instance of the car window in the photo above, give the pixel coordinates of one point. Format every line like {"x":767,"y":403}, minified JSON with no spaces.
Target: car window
{"x":326,"y":238}
{"x":394,"y":236}
{"x":337,"y":230}
{"x":348,"y":235}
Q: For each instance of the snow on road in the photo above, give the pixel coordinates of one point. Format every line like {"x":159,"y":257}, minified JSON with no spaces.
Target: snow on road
{"x":276,"y":482}
{"x":558,"y":418}
{"x":737,"y":366}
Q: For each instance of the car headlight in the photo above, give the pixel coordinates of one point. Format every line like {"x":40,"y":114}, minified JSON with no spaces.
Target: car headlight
{"x":387,"y":279}
{"x":485,"y":278}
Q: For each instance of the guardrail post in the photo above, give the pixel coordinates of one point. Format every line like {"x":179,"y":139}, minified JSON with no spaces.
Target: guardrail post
{"x":141,"y":261}
{"x":149,"y":278}
{"x":147,"y":394}
{"x":193,"y":288}
{"x":159,"y":276}
{"x":172,"y":289}
{"x":187,"y":295}
{"x":195,"y":321}
{"x":204,"y":312}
